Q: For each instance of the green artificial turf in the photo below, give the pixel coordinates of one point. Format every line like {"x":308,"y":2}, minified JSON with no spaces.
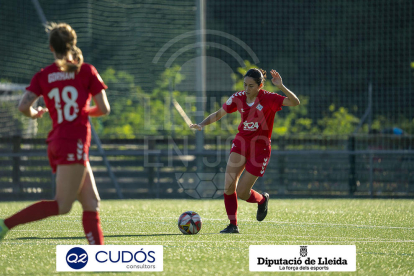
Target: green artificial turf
{"x":382,"y":230}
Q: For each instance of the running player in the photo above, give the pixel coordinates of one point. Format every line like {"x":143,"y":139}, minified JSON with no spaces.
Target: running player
{"x":251,"y":147}
{"x":67,"y":87}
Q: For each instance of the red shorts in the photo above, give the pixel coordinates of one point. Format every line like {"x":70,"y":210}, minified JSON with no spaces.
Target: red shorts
{"x":257,"y":155}
{"x":66,"y":152}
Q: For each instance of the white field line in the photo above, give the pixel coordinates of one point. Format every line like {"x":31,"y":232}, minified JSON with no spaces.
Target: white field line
{"x":104,"y":219}
{"x":338,"y":224}
{"x":115,"y":242}
{"x":150,"y":234}
{"x":326,"y":224}
{"x":339,"y":239}
{"x":275,"y":243}
{"x":291,"y":222}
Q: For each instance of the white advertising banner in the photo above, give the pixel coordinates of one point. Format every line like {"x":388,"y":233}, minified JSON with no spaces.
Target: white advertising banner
{"x":310,"y":258}
{"x":109,"y":258}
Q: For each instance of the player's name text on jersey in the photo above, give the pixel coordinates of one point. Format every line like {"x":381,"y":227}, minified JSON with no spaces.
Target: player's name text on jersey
{"x":59,"y":76}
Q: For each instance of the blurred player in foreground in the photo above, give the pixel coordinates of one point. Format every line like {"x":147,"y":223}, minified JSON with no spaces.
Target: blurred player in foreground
{"x":251,"y":147}
{"x":67,"y":86}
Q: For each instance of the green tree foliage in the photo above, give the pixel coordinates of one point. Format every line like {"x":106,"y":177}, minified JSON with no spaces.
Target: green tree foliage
{"x":381,"y":122}
{"x":123,"y":96}
{"x":164,"y":119}
{"x":135,"y":113}
{"x":295,"y":120}
{"x":338,"y":122}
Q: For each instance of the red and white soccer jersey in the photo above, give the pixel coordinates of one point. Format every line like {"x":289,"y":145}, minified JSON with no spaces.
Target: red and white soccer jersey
{"x":67,"y":95}
{"x":255,"y":129}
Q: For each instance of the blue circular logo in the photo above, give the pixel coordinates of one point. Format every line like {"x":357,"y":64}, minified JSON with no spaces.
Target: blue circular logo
{"x":77,"y":258}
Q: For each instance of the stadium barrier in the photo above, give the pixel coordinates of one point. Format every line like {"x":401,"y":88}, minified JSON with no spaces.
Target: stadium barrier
{"x":152,"y":167}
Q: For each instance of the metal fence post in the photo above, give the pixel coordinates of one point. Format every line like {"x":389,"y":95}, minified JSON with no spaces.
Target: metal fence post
{"x":157,"y":195}
{"x":282,"y":162}
{"x":151,"y":174}
{"x":352,"y":174}
{"x":17,"y":186}
{"x":371,"y":175}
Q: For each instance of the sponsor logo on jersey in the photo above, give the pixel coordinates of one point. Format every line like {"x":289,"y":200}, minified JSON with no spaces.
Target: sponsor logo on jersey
{"x":59,"y":76}
{"x":251,"y":126}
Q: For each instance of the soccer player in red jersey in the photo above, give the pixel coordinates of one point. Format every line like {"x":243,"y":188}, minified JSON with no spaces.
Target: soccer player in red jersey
{"x":67,"y":87}
{"x":251,"y":148}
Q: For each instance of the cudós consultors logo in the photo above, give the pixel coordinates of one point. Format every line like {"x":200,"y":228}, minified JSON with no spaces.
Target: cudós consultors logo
{"x":77,"y":258}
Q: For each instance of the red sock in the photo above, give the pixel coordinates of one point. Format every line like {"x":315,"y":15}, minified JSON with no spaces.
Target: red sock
{"x":230,"y":201}
{"x":255,"y":197}
{"x":37,"y":211}
{"x":92,"y":227}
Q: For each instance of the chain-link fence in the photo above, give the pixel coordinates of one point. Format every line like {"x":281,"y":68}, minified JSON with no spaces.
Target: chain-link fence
{"x":342,"y":58}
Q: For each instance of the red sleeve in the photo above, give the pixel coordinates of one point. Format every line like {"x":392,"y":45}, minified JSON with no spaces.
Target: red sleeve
{"x":35,"y":85}
{"x":230,"y":106}
{"x":277,"y":101}
{"x":96,"y":83}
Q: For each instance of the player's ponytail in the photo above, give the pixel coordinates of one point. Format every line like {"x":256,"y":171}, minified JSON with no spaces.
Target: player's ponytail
{"x":263,"y":74}
{"x":259,"y":75}
{"x":77,"y":57}
{"x":63,"y":40}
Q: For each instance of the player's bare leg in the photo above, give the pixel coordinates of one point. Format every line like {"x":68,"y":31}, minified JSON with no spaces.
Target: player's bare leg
{"x":235,"y":167}
{"x":245,"y":184}
{"x":88,"y":196}
{"x":245,"y":192}
{"x":69,"y":179}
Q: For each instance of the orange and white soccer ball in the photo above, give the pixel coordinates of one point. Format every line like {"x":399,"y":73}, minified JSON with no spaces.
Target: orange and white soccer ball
{"x":189,"y":223}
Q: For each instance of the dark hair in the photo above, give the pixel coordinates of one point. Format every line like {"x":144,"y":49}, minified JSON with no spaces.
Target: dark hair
{"x":63,"y":40}
{"x":259,"y":75}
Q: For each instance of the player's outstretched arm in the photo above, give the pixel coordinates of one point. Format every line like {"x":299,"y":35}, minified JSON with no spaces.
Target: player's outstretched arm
{"x":213,"y":117}
{"x":292,"y":99}
{"x":25,"y":106}
{"x":101,"y":107}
